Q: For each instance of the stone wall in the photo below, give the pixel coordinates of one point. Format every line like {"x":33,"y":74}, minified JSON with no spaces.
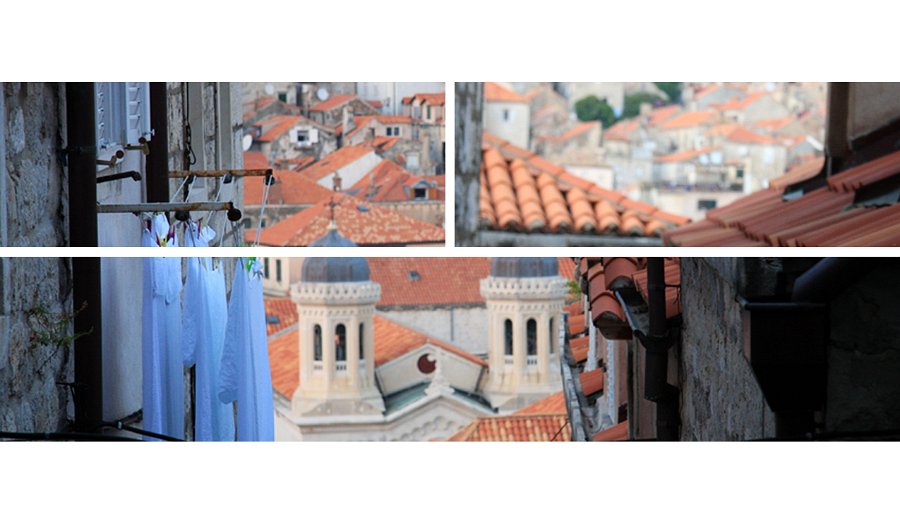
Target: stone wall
{"x":36,"y":184}
{"x":864,"y":355}
{"x":720,"y":399}
{"x":35,"y":356}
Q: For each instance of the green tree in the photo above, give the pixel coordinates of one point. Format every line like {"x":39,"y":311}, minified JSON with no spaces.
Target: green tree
{"x":592,"y":108}
{"x":672,"y":90}
{"x":634,"y":101}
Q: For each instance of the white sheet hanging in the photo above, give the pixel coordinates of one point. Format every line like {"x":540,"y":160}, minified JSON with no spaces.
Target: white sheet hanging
{"x":163,"y":374}
{"x":245,"y":372}
{"x":204,"y":324}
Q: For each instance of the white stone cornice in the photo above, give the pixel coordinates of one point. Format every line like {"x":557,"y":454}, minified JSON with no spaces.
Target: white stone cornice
{"x":523,"y":288}
{"x":357,"y":293}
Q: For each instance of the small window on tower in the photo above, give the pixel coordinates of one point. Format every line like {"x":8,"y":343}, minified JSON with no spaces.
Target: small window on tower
{"x":317,"y":343}
{"x":531,"y":336}
{"x":340,"y":342}
{"x":508,"y":337}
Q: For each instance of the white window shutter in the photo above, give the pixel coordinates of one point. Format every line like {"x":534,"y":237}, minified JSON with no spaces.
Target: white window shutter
{"x":314,"y":135}
{"x":101,"y":104}
{"x":137,"y":111}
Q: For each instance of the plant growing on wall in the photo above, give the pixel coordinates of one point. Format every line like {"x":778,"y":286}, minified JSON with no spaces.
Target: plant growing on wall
{"x":50,"y":328}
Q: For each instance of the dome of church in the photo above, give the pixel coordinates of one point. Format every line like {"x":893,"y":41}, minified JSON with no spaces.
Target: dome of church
{"x":524,"y":267}
{"x":334,"y":269}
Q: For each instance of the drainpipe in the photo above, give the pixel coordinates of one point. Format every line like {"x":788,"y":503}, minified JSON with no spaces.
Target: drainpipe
{"x":158,"y":159}
{"x":657,"y":343}
{"x":81,"y":149}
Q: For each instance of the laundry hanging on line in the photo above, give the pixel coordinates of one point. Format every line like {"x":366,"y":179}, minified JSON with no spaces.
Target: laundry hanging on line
{"x":242,"y":374}
{"x":245,"y":374}
{"x":162,"y":369}
{"x":203,"y":326}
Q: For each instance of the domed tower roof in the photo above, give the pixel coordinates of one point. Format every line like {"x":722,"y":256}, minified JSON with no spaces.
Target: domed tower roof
{"x":334,"y":269}
{"x":524,"y":267}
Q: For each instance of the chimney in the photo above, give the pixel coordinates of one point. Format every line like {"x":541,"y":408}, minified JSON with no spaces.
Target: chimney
{"x":336,"y":180}
{"x":346,"y":118}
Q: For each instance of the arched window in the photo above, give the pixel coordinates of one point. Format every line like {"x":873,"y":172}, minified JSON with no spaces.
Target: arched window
{"x":362,"y":341}
{"x":531,"y":337}
{"x":340,"y":342}
{"x":552,"y":335}
{"x":508,"y":337}
{"x":317,"y":343}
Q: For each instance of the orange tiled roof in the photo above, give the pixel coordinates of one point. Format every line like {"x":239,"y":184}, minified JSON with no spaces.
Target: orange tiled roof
{"x":824,"y":216}
{"x":282,"y":308}
{"x":739,"y":103}
{"x":662,"y":114}
{"x":334,"y":161}
{"x":516,"y":428}
{"x":689,"y":119}
{"x":255,"y":160}
{"x":574,"y":132}
{"x":521,"y":191}
{"x":744,"y":135}
{"x":388,"y":179}
{"x":495,"y":92}
{"x":616,"y":433}
{"x":800,"y":172}
{"x":290,"y":188}
{"x":412,"y":281}
{"x":606,"y":275}
{"x":363,"y":224}
{"x":431,"y":98}
{"x":684,"y":155}
{"x":392,"y":340}
{"x":276,"y":126}
{"x":334,"y":101}
{"x":621,"y":130}
{"x":774,"y":125}
{"x":722,"y":129}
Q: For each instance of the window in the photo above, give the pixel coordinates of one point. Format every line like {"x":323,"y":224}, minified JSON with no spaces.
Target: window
{"x":362,"y":342}
{"x":266,"y":267}
{"x":389,"y":131}
{"x":552,"y":334}
{"x":531,"y":337}
{"x":739,"y":173}
{"x":428,"y":112}
{"x":277,"y":270}
{"x":706,"y":204}
{"x":302,"y":136}
{"x":317,"y":343}
{"x":122,"y":113}
{"x":396,"y":131}
{"x":420,"y":193}
{"x":508,"y":337}
{"x":506,"y":115}
{"x":340,"y":342}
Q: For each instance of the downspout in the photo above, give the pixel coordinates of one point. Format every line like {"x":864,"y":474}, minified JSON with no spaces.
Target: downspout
{"x":656,"y":387}
{"x":158,"y":159}
{"x":81,"y":150}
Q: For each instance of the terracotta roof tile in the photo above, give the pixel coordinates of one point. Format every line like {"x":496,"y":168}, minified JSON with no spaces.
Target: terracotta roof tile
{"x":385,"y":182}
{"x":798,"y":173}
{"x":621,"y":130}
{"x":571,"y":133}
{"x":336,"y":160}
{"x":739,"y":103}
{"x":685,"y":155}
{"x":521,"y":191}
{"x":616,"y":433}
{"x":690,"y":119}
{"x":494,"y":92}
{"x":744,"y":135}
{"x":336,"y":100}
{"x":413,"y":281}
{"x":819,"y":217}
{"x":516,"y":428}
{"x":284,"y":310}
{"x":255,"y":160}
{"x":363,"y":224}
{"x":290,"y":188}
{"x":431,"y":98}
